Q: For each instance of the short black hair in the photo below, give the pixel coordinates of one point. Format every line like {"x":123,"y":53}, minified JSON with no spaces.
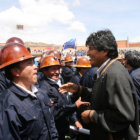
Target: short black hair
{"x":103,"y":40}
{"x":133,"y":58}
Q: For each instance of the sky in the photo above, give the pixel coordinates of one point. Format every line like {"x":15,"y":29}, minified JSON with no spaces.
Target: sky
{"x":57,"y":21}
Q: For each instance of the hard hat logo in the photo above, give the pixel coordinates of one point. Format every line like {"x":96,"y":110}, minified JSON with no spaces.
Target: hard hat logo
{"x":13,"y":53}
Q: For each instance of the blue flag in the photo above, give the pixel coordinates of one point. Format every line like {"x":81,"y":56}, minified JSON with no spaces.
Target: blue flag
{"x":70,"y":44}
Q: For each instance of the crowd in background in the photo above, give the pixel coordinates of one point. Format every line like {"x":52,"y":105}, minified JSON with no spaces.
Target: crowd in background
{"x":97,"y":89}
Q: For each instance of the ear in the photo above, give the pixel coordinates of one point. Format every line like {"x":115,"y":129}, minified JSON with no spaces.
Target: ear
{"x":15,"y":71}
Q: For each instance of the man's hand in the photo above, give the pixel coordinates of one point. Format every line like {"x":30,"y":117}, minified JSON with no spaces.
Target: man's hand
{"x":69,"y":87}
{"x":87,"y":116}
{"x":80,"y":103}
{"x":78,"y":124}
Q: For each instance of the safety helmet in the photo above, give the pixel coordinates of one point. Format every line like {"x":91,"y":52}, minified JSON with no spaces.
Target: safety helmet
{"x":15,"y":40}
{"x":83,"y":62}
{"x":49,"y":60}
{"x":13,"y":53}
{"x":68,"y":59}
{"x":55,"y":53}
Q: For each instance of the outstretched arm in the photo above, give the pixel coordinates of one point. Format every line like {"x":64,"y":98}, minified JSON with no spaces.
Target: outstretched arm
{"x":70,"y":87}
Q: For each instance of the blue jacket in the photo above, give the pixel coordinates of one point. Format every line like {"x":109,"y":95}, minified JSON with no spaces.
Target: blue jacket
{"x":62,"y":109}
{"x":4,"y":82}
{"x":87,"y":79}
{"x":24,"y":117}
{"x":135,"y":75}
{"x":67,"y":73}
{"x":76,"y":78}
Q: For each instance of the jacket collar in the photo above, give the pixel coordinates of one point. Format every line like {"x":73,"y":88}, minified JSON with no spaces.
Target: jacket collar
{"x":18,"y":91}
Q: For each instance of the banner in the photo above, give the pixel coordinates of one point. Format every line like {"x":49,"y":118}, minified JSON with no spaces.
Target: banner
{"x":69,"y":44}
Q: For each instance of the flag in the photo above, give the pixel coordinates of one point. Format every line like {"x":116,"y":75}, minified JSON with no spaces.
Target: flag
{"x":69,"y":44}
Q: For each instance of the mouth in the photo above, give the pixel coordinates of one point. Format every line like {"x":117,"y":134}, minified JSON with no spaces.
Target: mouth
{"x":56,"y":75}
{"x":35,"y":73}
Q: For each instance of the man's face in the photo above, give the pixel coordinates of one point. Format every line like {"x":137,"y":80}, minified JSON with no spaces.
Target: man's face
{"x":27,"y":72}
{"x":97,"y":58}
{"x":124,"y":62}
{"x":83,"y":70}
{"x":52,"y":72}
{"x":69,"y":63}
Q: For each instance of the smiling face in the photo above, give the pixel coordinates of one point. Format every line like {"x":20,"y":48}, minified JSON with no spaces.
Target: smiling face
{"x":97,"y":58}
{"x":52,"y":72}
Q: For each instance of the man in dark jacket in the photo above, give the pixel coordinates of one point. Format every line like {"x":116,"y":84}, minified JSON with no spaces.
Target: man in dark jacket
{"x":114,"y":110}
{"x":67,"y":70}
{"x":25,"y":110}
{"x":132,"y":62}
{"x":62,"y":109}
{"x":82,"y":65}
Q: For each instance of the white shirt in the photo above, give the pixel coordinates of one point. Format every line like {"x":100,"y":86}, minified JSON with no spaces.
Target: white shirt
{"x":33,"y":88}
{"x":58,"y":82}
{"x":102,"y":67}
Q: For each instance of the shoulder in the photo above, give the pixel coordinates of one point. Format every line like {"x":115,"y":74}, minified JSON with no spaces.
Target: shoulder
{"x":117,"y":71}
{"x":135,"y":72}
{"x":6,"y":97}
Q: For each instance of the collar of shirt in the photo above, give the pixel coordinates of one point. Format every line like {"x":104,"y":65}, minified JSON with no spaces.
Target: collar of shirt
{"x":102,"y":67}
{"x":33,"y":88}
{"x":58,"y":82}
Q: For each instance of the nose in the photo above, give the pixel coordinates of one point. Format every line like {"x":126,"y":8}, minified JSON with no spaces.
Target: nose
{"x":57,"y":71}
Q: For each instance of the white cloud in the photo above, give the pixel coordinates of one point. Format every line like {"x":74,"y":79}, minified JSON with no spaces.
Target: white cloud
{"x":76,"y":3}
{"x":39,"y":18}
{"x":77,"y":26}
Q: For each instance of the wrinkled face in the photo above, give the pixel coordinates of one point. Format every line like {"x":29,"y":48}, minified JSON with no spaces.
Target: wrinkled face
{"x":97,"y":58}
{"x":27,"y":72}
{"x":52,"y":72}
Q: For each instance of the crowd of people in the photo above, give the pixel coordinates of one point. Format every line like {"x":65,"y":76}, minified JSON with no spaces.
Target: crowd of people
{"x":100,"y":92}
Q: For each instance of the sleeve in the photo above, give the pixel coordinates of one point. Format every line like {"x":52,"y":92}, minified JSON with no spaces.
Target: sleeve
{"x":86,"y":94}
{"x":63,"y":108}
{"x":9,"y":125}
{"x":54,"y":133}
{"x":121,"y":107}
{"x":73,"y":117}
{"x":75,"y":80}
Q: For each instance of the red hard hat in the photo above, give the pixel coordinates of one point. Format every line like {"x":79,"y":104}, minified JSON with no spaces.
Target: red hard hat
{"x":83,"y":62}
{"x":15,"y":40}
{"x":55,"y":53}
{"x":49,"y":60}
{"x":13,"y":53}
